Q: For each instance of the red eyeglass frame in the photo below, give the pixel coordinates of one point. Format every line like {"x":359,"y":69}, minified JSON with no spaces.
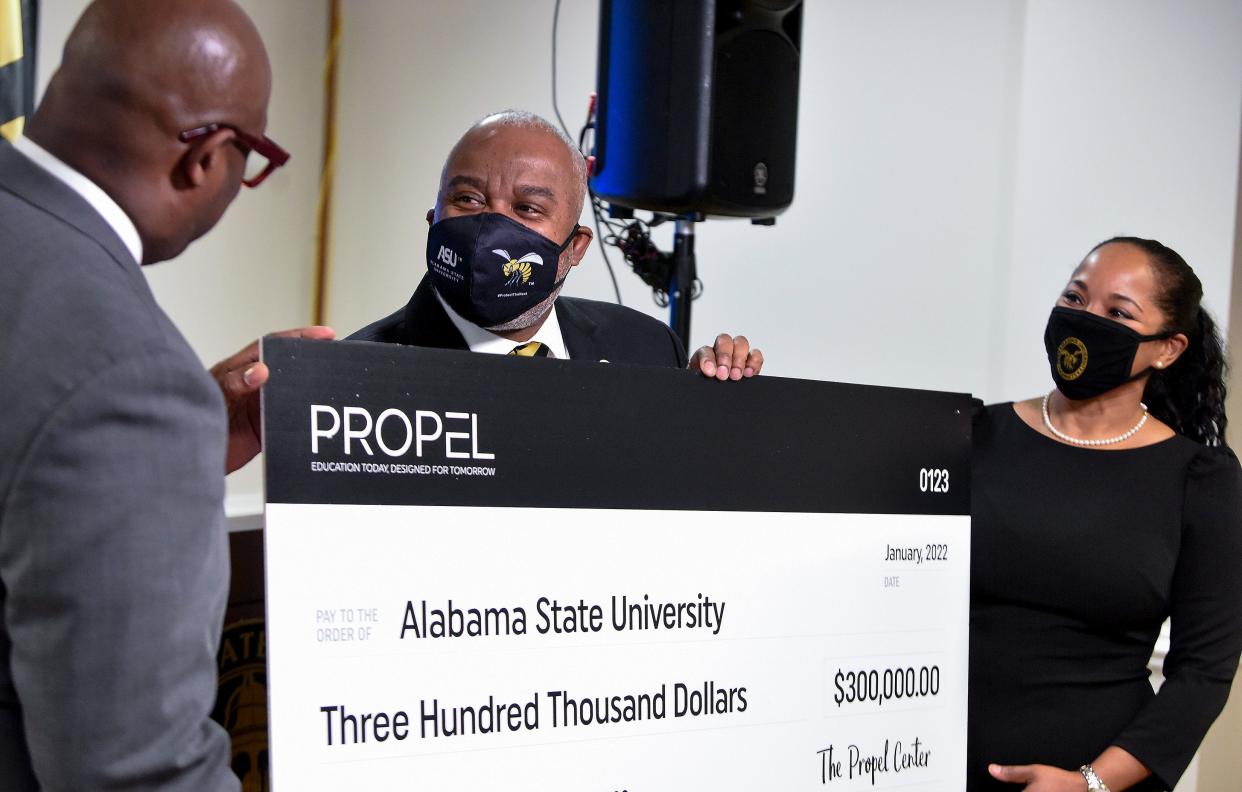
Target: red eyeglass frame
{"x":265,"y":146}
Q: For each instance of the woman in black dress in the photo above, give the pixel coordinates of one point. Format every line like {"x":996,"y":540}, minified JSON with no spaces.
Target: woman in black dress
{"x":1099,"y":511}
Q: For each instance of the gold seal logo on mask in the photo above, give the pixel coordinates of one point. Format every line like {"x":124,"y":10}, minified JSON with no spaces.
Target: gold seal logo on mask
{"x":1071,"y":358}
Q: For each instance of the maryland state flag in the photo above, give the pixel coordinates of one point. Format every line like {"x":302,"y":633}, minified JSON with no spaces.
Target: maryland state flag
{"x":18,"y":23}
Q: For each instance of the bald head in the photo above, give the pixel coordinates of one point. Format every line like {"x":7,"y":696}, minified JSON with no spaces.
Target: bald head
{"x":572,"y":161}
{"x":180,"y":62}
{"x":518,"y":165}
{"x":136,"y":73}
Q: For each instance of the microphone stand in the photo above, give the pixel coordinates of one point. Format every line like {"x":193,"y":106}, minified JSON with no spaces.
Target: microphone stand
{"x":682,"y":279}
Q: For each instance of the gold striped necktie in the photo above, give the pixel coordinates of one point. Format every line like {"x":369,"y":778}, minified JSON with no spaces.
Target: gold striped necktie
{"x":532,"y":349}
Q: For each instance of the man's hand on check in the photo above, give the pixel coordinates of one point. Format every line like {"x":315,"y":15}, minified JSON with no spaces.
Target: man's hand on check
{"x":732,"y":358}
{"x":240,"y":377}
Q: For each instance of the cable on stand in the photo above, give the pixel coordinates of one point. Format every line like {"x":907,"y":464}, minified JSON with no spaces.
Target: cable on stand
{"x":672,"y":276}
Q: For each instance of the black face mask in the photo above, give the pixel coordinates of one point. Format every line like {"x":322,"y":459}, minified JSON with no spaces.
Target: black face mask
{"x":1089,"y":354}
{"x":492,"y":269}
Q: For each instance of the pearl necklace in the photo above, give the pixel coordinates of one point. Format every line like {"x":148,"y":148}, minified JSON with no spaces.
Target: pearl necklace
{"x":1079,"y":442}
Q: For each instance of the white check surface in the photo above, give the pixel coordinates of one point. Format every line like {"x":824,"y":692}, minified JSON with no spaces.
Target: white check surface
{"x":805,"y":596}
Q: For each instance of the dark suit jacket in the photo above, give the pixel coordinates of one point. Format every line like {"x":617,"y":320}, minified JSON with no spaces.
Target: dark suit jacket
{"x":113,"y":548}
{"x":592,"y":330}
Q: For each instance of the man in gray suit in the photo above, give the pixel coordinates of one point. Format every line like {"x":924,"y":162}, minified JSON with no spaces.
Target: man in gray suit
{"x":113,"y":550}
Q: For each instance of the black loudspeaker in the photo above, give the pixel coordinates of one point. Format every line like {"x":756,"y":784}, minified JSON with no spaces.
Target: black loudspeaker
{"x":698,"y":105}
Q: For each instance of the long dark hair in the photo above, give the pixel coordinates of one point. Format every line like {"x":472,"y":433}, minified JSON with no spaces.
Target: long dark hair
{"x":1189,"y":396}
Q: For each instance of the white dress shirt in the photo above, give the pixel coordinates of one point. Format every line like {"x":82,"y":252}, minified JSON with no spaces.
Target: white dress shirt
{"x":480,"y":340}
{"x":99,"y":200}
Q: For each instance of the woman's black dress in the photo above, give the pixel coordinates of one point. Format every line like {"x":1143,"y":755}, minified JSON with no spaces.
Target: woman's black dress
{"x":1077,"y":558}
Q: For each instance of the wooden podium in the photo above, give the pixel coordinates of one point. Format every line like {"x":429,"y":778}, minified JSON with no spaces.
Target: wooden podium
{"x":241,"y":701}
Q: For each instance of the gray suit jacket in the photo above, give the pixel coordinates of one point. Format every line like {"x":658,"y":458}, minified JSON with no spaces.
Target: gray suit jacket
{"x":113,"y":550}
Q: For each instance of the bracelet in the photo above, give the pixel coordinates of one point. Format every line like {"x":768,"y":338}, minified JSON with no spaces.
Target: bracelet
{"x":1094,"y":782}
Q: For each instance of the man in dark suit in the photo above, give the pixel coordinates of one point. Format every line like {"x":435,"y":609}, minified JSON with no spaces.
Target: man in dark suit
{"x":515,"y":183}
{"x":113,"y":548}
{"x":591,"y":330}
{"x":511,"y":169}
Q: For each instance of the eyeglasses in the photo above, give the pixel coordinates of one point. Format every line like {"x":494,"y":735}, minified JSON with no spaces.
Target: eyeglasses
{"x":271,"y":156}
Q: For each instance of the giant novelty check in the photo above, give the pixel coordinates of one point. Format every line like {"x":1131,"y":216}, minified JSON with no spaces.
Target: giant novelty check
{"x":510,"y":573}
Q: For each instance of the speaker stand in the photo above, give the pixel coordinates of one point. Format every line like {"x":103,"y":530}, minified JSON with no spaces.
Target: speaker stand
{"x":681,"y":284}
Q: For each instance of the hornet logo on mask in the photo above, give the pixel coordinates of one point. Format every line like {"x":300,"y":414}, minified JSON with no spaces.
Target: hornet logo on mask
{"x":1071,"y":358}
{"x":476,"y":286}
{"x":518,"y":270}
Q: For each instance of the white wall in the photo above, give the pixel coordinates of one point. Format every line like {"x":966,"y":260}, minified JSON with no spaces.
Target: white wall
{"x":877,"y":272}
{"x":1221,"y":764}
{"x":252,"y":274}
{"x":956,"y":159}
{"x":413,"y":77}
{"x":1129,"y":124}
{"x":902,"y":136}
